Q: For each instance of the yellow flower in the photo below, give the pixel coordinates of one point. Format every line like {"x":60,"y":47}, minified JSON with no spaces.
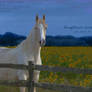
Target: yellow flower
{"x":81,"y":84}
{"x":62,"y":61}
{"x":70,"y":59}
{"x":90,"y":77}
{"x":75,"y":83}
{"x":72,"y":65}
{"x":86,"y":82}
{"x":87,"y":76}
{"x":79,"y":61}
{"x":62,"y":79}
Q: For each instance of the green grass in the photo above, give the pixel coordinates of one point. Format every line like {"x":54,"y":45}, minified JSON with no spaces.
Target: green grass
{"x":75,"y":57}
{"x":8,"y":89}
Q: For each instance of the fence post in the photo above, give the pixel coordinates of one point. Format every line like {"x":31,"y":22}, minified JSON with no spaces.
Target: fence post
{"x":31,"y":73}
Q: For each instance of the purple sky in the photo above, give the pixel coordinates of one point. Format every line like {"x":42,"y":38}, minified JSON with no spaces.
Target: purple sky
{"x":19,"y":16}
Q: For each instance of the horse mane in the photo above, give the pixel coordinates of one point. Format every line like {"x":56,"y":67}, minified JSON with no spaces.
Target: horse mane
{"x":28,"y":40}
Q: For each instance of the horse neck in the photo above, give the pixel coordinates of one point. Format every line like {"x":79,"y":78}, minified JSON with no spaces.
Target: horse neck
{"x":30,"y":46}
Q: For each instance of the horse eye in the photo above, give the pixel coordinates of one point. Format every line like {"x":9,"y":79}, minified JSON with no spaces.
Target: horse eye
{"x":45,"y":27}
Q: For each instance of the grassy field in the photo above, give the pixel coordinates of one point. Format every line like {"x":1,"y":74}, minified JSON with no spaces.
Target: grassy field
{"x":76,"y":57}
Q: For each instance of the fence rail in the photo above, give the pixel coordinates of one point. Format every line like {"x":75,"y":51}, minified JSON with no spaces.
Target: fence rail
{"x":14,"y":66}
{"x":63,"y":88}
{"x":14,"y":83}
{"x":30,"y":84}
{"x":62,"y":69}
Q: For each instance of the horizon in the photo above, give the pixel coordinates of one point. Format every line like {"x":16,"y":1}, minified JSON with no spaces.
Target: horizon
{"x":63,"y":17}
{"x":46,"y":35}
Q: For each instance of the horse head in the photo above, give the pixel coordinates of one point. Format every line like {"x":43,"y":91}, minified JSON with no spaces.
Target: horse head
{"x":41,"y":28}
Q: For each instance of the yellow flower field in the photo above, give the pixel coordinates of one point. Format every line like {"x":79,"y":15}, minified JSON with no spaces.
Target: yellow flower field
{"x":75,"y":57}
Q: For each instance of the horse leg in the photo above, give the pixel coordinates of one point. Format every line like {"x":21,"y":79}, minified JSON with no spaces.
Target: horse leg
{"x":36,"y":78}
{"x":22,"y":89}
{"x":22,"y":76}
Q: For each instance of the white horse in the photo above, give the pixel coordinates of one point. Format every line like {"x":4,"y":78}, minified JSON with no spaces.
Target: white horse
{"x":28,"y":50}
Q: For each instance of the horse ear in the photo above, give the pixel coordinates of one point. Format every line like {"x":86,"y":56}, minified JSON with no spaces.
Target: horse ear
{"x":44,"y":18}
{"x":37,"y":18}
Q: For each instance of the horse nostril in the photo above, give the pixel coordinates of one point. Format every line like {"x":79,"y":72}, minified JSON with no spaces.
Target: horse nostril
{"x":42,"y":42}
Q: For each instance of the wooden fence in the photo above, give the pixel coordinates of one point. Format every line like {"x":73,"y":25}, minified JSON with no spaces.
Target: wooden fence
{"x":30,"y":84}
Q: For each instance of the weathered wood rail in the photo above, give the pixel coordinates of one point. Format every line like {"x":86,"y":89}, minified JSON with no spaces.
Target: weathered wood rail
{"x":62,"y":69}
{"x":30,"y":84}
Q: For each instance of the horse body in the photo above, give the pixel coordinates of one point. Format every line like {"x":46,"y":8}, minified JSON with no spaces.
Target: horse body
{"x":7,"y":57}
{"x":28,"y":50}
{"x":21,"y":55}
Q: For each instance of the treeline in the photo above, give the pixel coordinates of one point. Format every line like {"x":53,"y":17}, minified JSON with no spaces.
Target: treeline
{"x":12,"y":39}
{"x":68,"y":41}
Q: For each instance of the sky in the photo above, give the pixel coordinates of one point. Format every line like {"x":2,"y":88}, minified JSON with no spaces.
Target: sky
{"x":64,"y":17}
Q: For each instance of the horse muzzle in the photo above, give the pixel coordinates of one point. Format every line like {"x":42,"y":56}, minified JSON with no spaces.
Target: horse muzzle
{"x":42,"y":42}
